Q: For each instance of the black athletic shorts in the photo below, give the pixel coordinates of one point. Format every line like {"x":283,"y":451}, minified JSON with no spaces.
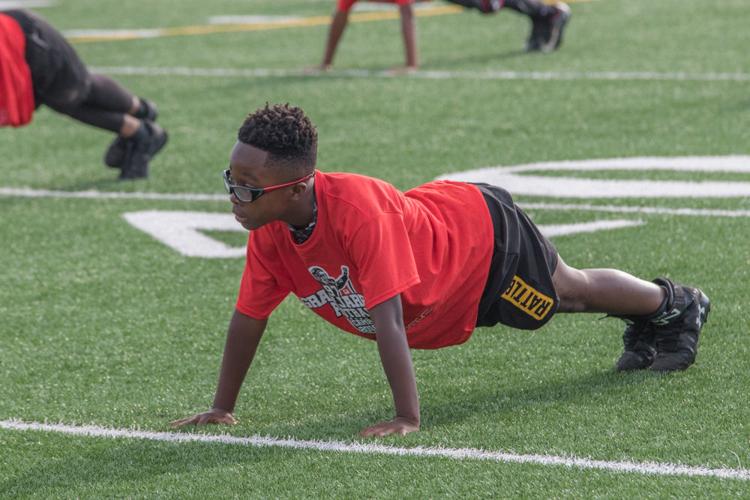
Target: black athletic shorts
{"x":519,"y":290}
{"x":58,"y":76}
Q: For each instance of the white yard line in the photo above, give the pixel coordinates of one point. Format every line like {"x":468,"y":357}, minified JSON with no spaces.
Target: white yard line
{"x":651,"y":468}
{"x":380,"y":7}
{"x":429,"y":75}
{"x":104,"y":195}
{"x":26,"y":4}
{"x":124,"y":33}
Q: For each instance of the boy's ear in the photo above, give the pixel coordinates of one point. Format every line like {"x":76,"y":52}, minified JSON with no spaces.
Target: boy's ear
{"x":299,"y":189}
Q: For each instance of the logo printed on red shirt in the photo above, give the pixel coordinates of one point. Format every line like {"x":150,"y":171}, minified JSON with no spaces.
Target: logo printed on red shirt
{"x":342,"y":297}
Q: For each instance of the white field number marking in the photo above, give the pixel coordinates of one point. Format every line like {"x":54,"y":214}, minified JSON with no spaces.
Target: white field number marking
{"x":181,"y":231}
{"x":511,"y":178}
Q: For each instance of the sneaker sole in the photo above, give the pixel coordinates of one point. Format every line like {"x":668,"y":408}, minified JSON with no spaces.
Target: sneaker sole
{"x":632,"y":361}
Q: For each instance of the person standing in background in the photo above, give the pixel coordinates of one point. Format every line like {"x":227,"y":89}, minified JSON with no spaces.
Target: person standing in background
{"x":340,"y":20}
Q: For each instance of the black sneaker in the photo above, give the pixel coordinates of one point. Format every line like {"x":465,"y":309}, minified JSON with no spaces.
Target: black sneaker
{"x":677,"y":334}
{"x":640,"y":349}
{"x":148,"y":110}
{"x":552,"y":28}
{"x":536,"y":37}
{"x":115,"y":154}
{"x":140,"y":149}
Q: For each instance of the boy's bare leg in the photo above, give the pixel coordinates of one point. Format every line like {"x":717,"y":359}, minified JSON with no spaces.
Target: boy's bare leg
{"x":606,"y":291}
{"x":664,"y":318}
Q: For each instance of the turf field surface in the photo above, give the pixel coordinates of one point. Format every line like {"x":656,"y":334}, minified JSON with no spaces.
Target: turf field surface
{"x":104,"y":325}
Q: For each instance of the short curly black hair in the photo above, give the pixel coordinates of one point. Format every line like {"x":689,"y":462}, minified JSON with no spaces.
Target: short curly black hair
{"x":285,"y":133}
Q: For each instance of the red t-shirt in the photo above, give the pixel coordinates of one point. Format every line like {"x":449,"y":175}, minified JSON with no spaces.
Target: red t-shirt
{"x":432,"y":244}
{"x":345,"y":5}
{"x":16,"y":91}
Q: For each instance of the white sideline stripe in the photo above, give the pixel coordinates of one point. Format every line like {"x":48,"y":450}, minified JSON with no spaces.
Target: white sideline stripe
{"x":26,"y":4}
{"x":654,"y":468}
{"x":428,"y":75}
{"x":136,"y":33}
{"x":379,"y":7}
{"x":104,"y":195}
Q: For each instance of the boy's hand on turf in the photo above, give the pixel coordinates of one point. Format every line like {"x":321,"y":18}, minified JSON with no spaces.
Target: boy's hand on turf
{"x":399,"y":425}
{"x":213,"y":416}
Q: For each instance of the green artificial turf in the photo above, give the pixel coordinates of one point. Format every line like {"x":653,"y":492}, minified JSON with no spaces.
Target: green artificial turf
{"x":102,"y":324}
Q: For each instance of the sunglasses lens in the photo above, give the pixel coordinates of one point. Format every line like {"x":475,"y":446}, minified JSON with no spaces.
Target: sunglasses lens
{"x":244,"y":194}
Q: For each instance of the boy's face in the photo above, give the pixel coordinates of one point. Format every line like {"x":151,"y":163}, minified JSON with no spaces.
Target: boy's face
{"x":247,"y":166}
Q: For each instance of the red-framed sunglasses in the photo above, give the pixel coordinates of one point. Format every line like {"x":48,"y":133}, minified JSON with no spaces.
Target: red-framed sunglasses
{"x":248,"y":194}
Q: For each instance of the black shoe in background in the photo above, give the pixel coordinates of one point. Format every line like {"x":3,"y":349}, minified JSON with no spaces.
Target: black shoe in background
{"x":536,"y":37}
{"x":115,"y":154}
{"x":140,"y":149}
{"x":550,"y":30}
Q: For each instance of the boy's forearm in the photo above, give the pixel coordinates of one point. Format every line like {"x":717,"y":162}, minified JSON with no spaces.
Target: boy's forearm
{"x":396,"y":358}
{"x":243,"y":338}
{"x":398,"y":369}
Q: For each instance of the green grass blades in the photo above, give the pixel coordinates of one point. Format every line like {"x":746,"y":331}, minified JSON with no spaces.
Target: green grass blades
{"x":103,"y":324}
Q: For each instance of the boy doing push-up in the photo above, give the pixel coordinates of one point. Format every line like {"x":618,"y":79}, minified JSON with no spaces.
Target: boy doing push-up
{"x":420,"y":269}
